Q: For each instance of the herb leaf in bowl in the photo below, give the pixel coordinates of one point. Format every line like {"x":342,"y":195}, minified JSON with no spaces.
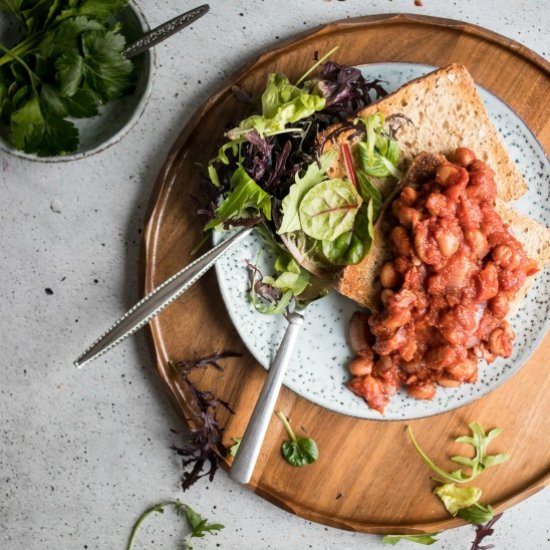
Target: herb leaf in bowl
{"x":70,"y":61}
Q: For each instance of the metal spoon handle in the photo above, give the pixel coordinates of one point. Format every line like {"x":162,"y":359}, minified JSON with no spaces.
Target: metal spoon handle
{"x":162,"y":32}
{"x":249,"y":449}
{"x":158,"y":299}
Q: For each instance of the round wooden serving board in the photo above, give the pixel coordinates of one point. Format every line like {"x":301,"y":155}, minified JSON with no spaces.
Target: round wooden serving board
{"x":368,"y":477}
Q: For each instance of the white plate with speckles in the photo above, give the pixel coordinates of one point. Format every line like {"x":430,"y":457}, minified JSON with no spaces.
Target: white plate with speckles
{"x":318,"y":371}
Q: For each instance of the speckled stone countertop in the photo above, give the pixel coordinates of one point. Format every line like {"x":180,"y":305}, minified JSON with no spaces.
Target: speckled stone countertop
{"x":82,"y":453}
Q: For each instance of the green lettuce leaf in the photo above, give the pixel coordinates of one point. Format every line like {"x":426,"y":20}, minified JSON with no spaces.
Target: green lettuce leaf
{"x":454,"y":498}
{"x":426,"y":539}
{"x":282,"y":104}
{"x":379,"y":166}
{"x":379,"y":154}
{"x":329,"y":209}
{"x":314,"y":175}
{"x":232,"y":449}
{"x":245,"y":200}
{"x":351,"y":247}
{"x":292,"y":277}
{"x":370,"y":192}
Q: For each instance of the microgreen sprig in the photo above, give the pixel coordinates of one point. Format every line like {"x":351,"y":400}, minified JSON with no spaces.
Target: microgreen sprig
{"x":199,"y":525}
{"x":478,"y":464}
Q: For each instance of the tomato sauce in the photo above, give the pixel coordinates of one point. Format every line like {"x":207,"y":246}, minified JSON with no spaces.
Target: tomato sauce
{"x":446,"y":291}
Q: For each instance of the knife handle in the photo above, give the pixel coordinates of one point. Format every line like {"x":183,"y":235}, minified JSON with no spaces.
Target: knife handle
{"x":249,"y":448}
{"x":150,"y":306}
{"x":162,"y":32}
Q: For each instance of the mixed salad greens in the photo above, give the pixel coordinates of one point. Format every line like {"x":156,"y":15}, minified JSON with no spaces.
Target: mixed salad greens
{"x":272,"y":173}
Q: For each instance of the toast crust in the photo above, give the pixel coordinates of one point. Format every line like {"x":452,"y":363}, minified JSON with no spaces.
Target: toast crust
{"x":445,"y":111}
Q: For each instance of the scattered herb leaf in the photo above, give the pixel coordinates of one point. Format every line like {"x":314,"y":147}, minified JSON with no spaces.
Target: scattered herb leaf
{"x":201,"y":452}
{"x":235,"y":447}
{"x":299,"y":451}
{"x":419,"y":539}
{"x":198,"y":525}
{"x":477,"y":513}
{"x":481,"y":461}
{"x":456,"y":498}
{"x":483,"y":531}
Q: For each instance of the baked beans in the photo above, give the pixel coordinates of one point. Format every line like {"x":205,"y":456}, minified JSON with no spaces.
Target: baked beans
{"x":446,"y":290}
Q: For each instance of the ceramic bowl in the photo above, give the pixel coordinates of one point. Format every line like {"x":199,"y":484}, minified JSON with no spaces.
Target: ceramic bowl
{"x":116,"y":118}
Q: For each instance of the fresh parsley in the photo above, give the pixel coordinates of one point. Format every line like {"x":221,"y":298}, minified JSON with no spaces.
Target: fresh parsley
{"x":70,"y":62}
{"x":298,"y":451}
{"x":198,"y":525}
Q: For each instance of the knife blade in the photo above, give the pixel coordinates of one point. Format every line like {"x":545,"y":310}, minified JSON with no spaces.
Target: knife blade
{"x":167,"y":29}
{"x":159,"y":299}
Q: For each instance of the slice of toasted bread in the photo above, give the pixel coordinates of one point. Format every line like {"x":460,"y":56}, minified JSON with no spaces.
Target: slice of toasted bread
{"x":534,"y":237}
{"x":444,"y":111}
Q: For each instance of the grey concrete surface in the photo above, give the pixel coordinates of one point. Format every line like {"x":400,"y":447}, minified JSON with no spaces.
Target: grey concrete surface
{"x":82,"y":453}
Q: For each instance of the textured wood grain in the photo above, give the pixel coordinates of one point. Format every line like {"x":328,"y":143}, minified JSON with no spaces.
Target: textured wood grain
{"x":384,"y":487}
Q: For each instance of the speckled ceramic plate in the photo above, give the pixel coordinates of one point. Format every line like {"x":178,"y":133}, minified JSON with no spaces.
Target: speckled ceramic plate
{"x":318,"y":371}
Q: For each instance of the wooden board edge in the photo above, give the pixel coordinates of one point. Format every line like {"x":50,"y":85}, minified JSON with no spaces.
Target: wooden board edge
{"x":413,"y":528}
